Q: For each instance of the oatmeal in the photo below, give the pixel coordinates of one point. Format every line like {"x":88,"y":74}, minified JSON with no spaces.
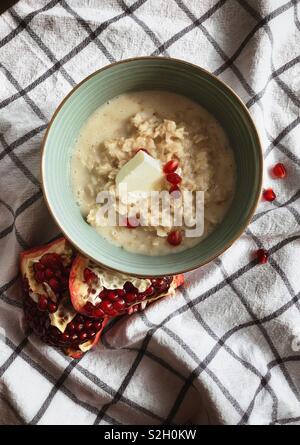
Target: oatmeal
{"x":153,"y":140}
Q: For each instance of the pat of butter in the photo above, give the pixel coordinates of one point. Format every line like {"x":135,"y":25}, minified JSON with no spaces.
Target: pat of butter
{"x":142,"y":173}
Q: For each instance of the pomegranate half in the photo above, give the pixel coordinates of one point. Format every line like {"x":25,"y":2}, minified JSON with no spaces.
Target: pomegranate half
{"x":97,"y":293}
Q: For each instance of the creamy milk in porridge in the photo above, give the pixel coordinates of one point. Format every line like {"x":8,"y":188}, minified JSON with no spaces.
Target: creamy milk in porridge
{"x":168,"y":127}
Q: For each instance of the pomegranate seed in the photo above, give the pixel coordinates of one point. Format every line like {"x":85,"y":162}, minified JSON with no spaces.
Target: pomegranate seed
{"x":89,"y":307}
{"x":119,"y":305}
{"x":43,"y":303}
{"x":132,"y":222}
{"x":79,"y":327}
{"x":279,"y":171}
{"x":174,"y":178}
{"x":269,"y":195}
{"x":48,"y":273}
{"x":71,"y":326}
{"x":91,"y":333}
{"x":111,"y":295}
{"x":88,"y":324}
{"x":170,"y":166}
{"x":65,"y":337}
{"x":105,"y":305}
{"x":98,"y":312}
{"x":40,"y":276}
{"x":58,"y":273}
{"x":121,"y":293}
{"x":74,"y":337}
{"x":97,"y":325}
{"x":149,"y":291}
{"x":175,"y":192}
{"x":52,"y":307}
{"x":175,"y":237}
{"x":54,"y":284}
{"x":51,"y":260}
{"x":89,"y":275}
{"x":262,"y":256}
{"x":83,"y":336}
{"x":38,"y":267}
{"x":130,"y":297}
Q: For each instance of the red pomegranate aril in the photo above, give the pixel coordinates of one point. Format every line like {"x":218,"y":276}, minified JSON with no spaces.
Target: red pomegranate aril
{"x":175,"y":192}
{"x":105,"y":305}
{"x":142,"y":296}
{"x":170,"y":166}
{"x":79,"y":327}
{"x":89,"y":307}
{"x":88,"y":324}
{"x":174,"y":237}
{"x":40,"y":276}
{"x":98,"y":312}
{"x":52,"y":307}
{"x":279,"y":171}
{"x":129,"y":287}
{"x":112,"y":295}
{"x":65,"y":337}
{"x":119,"y":305}
{"x":71,"y":327}
{"x":269,"y":195}
{"x":97,"y":325}
{"x":83,"y":336}
{"x":58,"y":273}
{"x":91,"y":334}
{"x":54,"y":284}
{"x":262,"y":256}
{"x":38,"y":267}
{"x":74,"y":337}
{"x":43,"y":303}
{"x":149,"y":291}
{"x":173,"y":178}
{"x":49,"y":273}
{"x":89,"y":275}
{"x":130,"y":297}
{"x":51,"y":260}
{"x":132,"y":223}
{"x":121,"y":293}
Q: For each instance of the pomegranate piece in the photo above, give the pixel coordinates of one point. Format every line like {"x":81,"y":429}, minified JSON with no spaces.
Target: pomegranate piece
{"x":170,"y":166}
{"x":45,"y":271}
{"x":174,"y":237}
{"x":111,"y":302}
{"x":279,"y":171}
{"x":132,"y":223}
{"x":269,"y":195}
{"x":174,"y":178}
{"x":262,"y":256}
{"x":175,"y":192}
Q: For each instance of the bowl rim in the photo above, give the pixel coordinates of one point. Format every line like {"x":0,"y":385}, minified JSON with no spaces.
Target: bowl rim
{"x":209,"y":74}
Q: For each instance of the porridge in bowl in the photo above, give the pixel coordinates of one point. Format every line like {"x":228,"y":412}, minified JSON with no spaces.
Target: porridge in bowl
{"x":153,"y":142}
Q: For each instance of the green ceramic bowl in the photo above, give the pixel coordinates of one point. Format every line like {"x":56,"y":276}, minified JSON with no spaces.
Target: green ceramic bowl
{"x":142,"y":74}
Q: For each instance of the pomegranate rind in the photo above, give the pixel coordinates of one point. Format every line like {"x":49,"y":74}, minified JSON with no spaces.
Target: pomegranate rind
{"x":27,"y":258}
{"x":79,"y":289}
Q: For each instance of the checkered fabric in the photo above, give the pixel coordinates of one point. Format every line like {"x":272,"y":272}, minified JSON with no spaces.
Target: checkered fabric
{"x":226,"y":348}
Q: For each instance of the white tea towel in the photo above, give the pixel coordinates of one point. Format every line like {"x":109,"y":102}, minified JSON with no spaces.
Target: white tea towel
{"x":225,"y":350}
